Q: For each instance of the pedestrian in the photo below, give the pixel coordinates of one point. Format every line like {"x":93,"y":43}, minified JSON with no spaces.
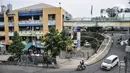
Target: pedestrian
{"x":125,"y":59}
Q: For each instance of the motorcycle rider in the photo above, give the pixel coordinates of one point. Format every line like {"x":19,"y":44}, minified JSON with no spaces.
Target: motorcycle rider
{"x":120,"y":38}
{"x":82,"y":63}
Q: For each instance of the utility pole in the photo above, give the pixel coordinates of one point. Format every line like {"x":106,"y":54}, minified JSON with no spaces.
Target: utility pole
{"x":126,"y":58}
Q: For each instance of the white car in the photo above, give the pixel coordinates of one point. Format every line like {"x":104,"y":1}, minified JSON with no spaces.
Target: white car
{"x":124,"y":42}
{"x":110,"y":62}
{"x":87,"y":44}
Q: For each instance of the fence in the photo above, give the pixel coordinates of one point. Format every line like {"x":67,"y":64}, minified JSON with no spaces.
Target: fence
{"x":37,"y":61}
{"x":78,"y":54}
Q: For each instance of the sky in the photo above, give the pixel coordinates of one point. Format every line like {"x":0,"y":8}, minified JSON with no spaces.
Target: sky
{"x":77,"y":8}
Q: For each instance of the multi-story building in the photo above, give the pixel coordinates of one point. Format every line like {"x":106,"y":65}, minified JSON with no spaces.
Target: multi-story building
{"x":31,"y":22}
{"x":3,"y":8}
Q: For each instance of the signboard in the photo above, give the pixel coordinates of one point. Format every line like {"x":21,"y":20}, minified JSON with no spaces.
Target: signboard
{"x":127,"y":49}
{"x":68,"y":16}
{"x":78,"y":29}
{"x":8,"y":13}
{"x":30,"y":13}
{"x":122,"y":64}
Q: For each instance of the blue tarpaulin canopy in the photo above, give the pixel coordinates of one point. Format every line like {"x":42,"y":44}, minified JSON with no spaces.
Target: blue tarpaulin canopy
{"x":31,"y":24}
{"x":37,"y":45}
{"x":30,"y":13}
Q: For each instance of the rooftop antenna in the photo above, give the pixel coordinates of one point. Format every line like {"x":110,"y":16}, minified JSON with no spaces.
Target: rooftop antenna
{"x":60,"y":4}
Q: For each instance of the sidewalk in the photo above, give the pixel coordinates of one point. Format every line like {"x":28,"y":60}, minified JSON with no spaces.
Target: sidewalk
{"x":73,"y":63}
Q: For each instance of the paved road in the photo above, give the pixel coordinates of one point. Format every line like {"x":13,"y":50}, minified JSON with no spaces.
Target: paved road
{"x":115,"y":49}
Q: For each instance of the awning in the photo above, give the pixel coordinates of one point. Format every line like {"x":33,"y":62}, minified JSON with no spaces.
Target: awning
{"x":30,"y":13}
{"x":37,"y":45}
{"x":30,"y":24}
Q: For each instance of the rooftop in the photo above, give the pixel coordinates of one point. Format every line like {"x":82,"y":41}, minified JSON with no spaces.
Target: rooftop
{"x":37,"y":6}
{"x":111,"y":57}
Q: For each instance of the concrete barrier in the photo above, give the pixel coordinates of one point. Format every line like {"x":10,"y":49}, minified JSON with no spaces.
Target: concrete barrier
{"x":4,"y":57}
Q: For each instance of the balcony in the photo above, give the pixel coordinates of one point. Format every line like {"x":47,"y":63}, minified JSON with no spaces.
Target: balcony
{"x":51,"y":22}
{"x":2,"y":42}
{"x":11,"y":24}
{"x":30,"y":33}
{"x":30,"y":23}
{"x":2,"y":33}
{"x":11,"y":33}
{"x":2,"y":24}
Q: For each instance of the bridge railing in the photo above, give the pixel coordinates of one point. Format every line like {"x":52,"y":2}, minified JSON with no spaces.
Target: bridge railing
{"x":99,"y":19}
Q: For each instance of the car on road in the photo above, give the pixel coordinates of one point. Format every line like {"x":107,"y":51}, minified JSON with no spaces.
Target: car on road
{"x":124,"y":42}
{"x":87,"y":44}
{"x":110,"y":62}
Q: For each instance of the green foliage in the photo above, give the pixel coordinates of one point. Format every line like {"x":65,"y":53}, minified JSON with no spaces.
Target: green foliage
{"x":95,"y":29}
{"x":111,"y":12}
{"x":16,"y":48}
{"x":94,"y":44}
{"x":11,"y":58}
{"x":93,"y":38}
{"x":57,"y":41}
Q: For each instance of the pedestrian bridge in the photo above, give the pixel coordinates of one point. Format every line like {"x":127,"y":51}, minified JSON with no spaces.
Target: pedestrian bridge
{"x":89,"y":23}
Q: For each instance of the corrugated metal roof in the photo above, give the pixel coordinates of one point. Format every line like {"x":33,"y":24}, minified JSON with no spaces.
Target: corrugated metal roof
{"x":37,"y":6}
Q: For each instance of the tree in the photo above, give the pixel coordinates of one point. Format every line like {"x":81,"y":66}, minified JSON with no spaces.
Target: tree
{"x":95,"y":29}
{"x":66,"y":42}
{"x":56,"y":41}
{"x":112,"y":12}
{"x":16,"y":47}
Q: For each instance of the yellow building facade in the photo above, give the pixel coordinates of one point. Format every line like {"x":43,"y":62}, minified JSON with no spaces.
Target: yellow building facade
{"x":26,"y":21}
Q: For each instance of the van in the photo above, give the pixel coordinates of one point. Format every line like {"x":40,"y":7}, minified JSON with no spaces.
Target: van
{"x":110,"y":62}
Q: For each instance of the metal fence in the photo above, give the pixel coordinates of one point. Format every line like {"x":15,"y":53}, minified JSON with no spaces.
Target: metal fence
{"x":78,"y":54}
{"x":27,"y":60}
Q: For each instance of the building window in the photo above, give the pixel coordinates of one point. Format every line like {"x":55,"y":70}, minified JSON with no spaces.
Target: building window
{"x":11,"y":19}
{"x":51,"y":16}
{"x":36,"y":17}
{"x":1,"y":19}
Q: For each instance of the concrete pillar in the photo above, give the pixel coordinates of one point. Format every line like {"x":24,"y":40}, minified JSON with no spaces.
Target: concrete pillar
{"x":16,"y":24}
{"x":72,"y":32}
{"x":6,"y":28}
{"x":78,"y":38}
{"x":45,"y":22}
{"x":128,"y":32}
{"x":59,"y":20}
{"x":32,"y":18}
{"x":40,"y":17}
